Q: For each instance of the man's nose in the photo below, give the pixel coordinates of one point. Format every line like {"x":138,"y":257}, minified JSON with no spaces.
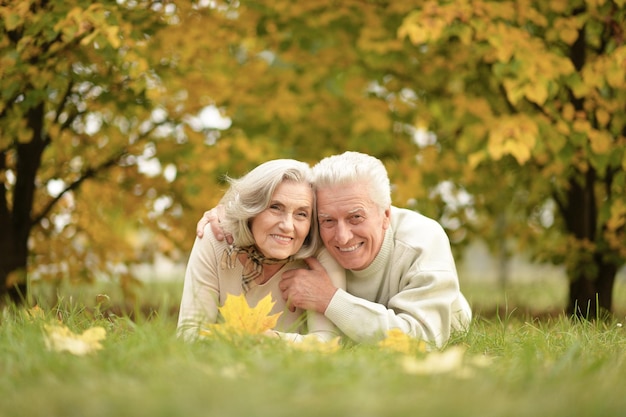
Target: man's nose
{"x":343,"y":233}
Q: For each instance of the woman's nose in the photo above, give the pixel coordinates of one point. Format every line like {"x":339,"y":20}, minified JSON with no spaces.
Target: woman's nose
{"x":286,"y":222}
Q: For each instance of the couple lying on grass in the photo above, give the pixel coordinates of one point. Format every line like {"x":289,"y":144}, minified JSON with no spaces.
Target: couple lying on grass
{"x":379,"y":268}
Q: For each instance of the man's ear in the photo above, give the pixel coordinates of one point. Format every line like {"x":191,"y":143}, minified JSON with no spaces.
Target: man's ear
{"x":387,"y":218}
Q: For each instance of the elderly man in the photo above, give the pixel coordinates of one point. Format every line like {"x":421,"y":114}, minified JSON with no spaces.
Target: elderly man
{"x":400,"y":272}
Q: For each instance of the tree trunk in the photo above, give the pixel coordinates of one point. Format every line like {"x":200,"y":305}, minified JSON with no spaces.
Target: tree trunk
{"x":12,"y":261}
{"x":591,"y":276}
{"x":14,"y":288}
{"x":591,"y":297}
{"x":16,"y":223}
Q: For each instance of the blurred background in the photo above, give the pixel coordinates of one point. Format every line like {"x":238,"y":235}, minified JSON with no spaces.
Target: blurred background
{"x":502,"y":120}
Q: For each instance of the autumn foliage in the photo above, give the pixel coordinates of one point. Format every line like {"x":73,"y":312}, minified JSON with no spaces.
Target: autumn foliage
{"x":502,"y":119}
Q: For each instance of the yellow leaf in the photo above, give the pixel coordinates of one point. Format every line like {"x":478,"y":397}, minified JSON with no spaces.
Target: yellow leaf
{"x":514,"y":92}
{"x":312,"y":343}
{"x":537,"y":92}
{"x":515,"y":136}
{"x":240,"y":318}
{"x":562,"y":127}
{"x":452,"y":360}
{"x":517,"y":150}
{"x":112,"y":34}
{"x":35,"y":313}
{"x":436,"y":362}
{"x":567,"y":29}
{"x":618,"y":216}
{"x":60,"y":339}
{"x":600,"y":142}
{"x":399,"y":341}
{"x":568,"y":111}
{"x":602,"y":116}
{"x":558,"y":6}
{"x":615,"y":76}
{"x":410,"y":29}
{"x":474,"y":159}
{"x":583,"y":126}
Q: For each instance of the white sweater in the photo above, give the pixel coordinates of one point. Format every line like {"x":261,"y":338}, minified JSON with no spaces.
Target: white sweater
{"x":207,"y":285}
{"x":412,"y":285}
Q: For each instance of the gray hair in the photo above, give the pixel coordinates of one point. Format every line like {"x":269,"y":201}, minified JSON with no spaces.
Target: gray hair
{"x":249,"y":195}
{"x":355,"y":167}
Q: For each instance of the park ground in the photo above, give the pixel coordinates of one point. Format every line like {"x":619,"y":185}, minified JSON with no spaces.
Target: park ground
{"x":519,"y":358}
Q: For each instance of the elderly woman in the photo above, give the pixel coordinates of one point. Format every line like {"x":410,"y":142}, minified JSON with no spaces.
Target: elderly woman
{"x":271,"y":215}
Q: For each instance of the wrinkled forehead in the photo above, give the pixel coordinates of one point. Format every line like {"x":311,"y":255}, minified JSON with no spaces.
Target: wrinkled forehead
{"x":343,"y":200}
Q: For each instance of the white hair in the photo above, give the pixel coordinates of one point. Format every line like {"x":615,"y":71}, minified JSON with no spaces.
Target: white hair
{"x":249,"y":195}
{"x":353,"y":168}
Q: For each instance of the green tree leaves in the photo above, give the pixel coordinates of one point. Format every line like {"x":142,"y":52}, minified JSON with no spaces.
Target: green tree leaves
{"x":518,"y":103}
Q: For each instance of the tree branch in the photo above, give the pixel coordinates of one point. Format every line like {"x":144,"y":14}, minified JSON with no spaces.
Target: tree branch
{"x":89,"y":173}
{"x":92,"y":172}
{"x":62,"y":102}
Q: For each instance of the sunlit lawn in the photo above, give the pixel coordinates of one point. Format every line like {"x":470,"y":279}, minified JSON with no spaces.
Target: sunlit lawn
{"x":513,"y":365}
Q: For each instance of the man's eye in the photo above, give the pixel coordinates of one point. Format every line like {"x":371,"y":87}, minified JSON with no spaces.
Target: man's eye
{"x":326,"y":222}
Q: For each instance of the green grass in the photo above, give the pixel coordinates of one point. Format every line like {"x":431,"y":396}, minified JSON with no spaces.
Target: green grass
{"x":555,"y":367}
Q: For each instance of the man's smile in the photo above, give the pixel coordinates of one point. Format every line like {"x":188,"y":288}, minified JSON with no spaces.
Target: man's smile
{"x":350,"y":248}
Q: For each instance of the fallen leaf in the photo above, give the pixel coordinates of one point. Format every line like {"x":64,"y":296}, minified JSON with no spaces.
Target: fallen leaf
{"x":436,"y":362}
{"x":312,"y":343}
{"x":240,"y":318}
{"x":60,"y":339}
{"x":35,"y":313}
{"x":452,"y":360}
{"x":399,"y":341}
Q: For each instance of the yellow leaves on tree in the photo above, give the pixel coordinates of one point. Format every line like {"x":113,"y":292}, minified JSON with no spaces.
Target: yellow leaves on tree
{"x":529,"y":70}
{"x":615,"y":226}
{"x":534,"y":78}
{"x":618,"y":216}
{"x":430,"y":22}
{"x":240,"y":318}
{"x":373,"y":116}
{"x":513,"y":135}
{"x":566,"y":29}
{"x":600,"y":141}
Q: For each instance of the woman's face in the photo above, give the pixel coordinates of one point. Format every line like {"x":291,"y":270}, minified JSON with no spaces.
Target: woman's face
{"x":279,"y":230}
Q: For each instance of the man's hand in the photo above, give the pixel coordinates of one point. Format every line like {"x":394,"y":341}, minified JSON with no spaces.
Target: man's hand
{"x":309,"y":289}
{"x":213,"y":217}
{"x":206,"y":218}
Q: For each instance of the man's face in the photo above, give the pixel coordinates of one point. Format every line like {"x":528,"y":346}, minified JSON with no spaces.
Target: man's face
{"x":351,"y":225}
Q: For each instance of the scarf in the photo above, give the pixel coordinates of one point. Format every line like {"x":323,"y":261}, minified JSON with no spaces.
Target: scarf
{"x":253,"y":267}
